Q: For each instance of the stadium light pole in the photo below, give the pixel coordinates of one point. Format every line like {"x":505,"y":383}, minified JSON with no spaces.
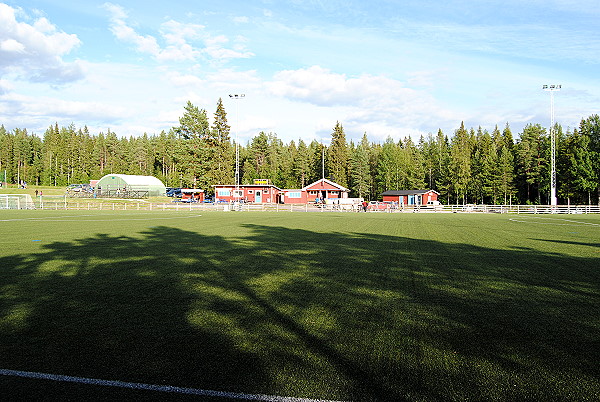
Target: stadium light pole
{"x":237,"y":145}
{"x":552,"y":88}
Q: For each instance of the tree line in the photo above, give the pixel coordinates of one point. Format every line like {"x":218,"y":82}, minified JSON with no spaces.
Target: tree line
{"x":470,"y":166}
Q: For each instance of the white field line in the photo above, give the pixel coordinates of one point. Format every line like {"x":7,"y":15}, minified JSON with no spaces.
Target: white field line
{"x":151,"y":387}
{"x":569,"y":222}
{"x":68,"y":218}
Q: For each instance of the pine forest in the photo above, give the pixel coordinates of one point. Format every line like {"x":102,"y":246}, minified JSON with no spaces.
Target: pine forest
{"x":470,"y":165}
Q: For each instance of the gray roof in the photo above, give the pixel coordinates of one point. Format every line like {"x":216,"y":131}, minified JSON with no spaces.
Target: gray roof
{"x":407,"y":192}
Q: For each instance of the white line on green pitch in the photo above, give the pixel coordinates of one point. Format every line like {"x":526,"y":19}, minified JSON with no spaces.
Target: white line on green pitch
{"x":152,"y":387}
{"x":62,"y":219}
{"x":531,"y":219}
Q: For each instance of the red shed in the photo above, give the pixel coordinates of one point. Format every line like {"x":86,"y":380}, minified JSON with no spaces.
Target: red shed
{"x":192,"y":195}
{"x":410,"y":197}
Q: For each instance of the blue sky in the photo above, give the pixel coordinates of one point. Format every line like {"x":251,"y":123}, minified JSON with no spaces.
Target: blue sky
{"x":387,"y":68}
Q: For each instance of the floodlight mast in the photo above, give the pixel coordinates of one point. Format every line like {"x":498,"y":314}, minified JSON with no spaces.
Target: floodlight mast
{"x":552,"y":88}
{"x":237,"y":146}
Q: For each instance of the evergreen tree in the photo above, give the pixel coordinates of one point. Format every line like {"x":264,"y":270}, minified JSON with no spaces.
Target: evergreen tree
{"x":337,"y":156}
{"x":222,"y":169}
{"x":275,"y":156}
{"x":302,"y":165}
{"x":426,"y":148}
{"x":530,"y":161}
{"x":51,"y":145}
{"x":581,"y":178}
{"x":22,"y":155}
{"x":590,"y":127}
{"x":484,"y":167}
{"x":361,"y":172}
{"x":410,"y":166}
{"x":318,"y":153}
{"x":287,"y":177}
{"x":388,"y":169}
{"x":6,"y":144}
{"x":195,"y":156}
{"x":506,"y":164}
{"x":460,"y":164}
{"x":256,"y":165}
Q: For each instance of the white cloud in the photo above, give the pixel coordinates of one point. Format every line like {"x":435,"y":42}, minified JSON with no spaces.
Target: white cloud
{"x":184,"y":80}
{"x":379,"y":105}
{"x":5,"y":86}
{"x":36,"y":51}
{"x":37,"y":113}
{"x":215,"y":48}
{"x":183,"y":42}
{"x":321,"y":87}
{"x":11,"y":45}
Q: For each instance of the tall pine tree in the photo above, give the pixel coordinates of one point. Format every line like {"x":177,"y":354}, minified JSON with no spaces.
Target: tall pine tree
{"x":337,"y":156}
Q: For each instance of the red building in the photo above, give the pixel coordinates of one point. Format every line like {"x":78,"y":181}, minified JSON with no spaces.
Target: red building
{"x":319,"y":190}
{"x":410,"y":197}
{"x":268,"y":193}
{"x":256,"y":193}
{"x":192,"y":195}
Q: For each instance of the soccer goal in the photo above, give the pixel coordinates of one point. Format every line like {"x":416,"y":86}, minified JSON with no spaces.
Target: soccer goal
{"x":16,"y":201}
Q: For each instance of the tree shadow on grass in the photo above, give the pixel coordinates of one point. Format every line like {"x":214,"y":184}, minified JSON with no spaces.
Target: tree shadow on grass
{"x":293,"y":312}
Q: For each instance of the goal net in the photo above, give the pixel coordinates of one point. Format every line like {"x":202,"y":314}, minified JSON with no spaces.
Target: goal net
{"x":16,"y":201}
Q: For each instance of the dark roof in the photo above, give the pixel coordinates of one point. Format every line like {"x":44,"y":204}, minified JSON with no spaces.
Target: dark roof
{"x":407,"y":192}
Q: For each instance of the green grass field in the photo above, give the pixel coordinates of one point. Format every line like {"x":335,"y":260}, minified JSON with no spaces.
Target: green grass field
{"x":315,"y":305}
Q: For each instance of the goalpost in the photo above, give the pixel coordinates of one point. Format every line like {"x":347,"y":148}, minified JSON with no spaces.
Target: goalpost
{"x":16,"y":201}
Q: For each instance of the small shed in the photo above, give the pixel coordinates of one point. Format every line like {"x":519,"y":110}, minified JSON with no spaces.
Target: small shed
{"x":192,"y":195}
{"x":410,"y":197}
{"x":129,"y":186}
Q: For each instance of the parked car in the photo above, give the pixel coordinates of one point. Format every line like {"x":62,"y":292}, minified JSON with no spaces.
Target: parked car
{"x":174,"y":192}
{"x":433,"y":204}
{"x":80,"y":188}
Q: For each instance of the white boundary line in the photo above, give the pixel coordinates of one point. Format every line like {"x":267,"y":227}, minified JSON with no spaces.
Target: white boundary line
{"x":570,"y":222}
{"x":62,"y":219}
{"x":151,"y":387}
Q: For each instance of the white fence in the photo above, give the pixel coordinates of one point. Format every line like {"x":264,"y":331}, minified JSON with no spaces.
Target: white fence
{"x":120,"y":205}
{"x":525,"y":209}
